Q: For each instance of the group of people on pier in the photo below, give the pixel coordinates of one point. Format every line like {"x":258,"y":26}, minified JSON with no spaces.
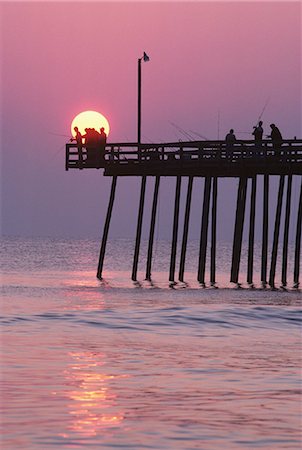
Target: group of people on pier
{"x":95,"y":144}
{"x":275,"y":136}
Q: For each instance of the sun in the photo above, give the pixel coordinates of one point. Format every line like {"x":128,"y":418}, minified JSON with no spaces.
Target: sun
{"x":90,"y":119}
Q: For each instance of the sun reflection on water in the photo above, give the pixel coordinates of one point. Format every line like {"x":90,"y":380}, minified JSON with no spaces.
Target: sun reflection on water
{"x":92,"y":403}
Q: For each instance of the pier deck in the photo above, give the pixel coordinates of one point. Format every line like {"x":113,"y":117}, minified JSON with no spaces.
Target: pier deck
{"x":193,"y":158}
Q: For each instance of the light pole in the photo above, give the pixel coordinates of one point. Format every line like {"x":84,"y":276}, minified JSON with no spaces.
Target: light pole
{"x":145,"y":58}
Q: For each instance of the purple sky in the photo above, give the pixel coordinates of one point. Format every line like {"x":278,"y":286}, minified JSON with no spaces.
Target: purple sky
{"x":59,"y":59}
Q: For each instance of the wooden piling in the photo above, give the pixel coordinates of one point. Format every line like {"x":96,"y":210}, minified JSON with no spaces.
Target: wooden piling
{"x":139,"y":228}
{"x":175,"y":230}
{"x":204,"y":231}
{"x":276,"y":233}
{"x":264,"y":252}
{"x":106,"y":228}
{"x":185,"y":230}
{"x":286,"y":231}
{"x":298,"y":242}
{"x":152,"y":228}
{"x":250,"y":261}
{"x":238,"y":230}
{"x":213,"y":232}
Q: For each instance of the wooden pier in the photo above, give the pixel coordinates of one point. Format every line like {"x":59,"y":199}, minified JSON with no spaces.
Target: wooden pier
{"x":210,"y":160}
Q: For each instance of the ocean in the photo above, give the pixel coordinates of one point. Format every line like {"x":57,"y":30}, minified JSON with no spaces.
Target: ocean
{"x":121,"y":365}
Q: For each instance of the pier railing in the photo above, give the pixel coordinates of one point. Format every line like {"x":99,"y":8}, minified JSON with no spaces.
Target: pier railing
{"x":196,"y":158}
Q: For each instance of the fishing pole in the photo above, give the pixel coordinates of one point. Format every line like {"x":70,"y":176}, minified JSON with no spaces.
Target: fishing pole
{"x":199,"y":135}
{"x":182,"y":131}
{"x":57,"y":134}
{"x":57,"y":152}
{"x":263,"y":109}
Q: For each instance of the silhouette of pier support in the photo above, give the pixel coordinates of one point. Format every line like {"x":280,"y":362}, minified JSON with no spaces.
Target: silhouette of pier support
{"x":250,"y":261}
{"x":286,"y":230}
{"x":298,"y":242}
{"x":209,"y":208}
{"x":152,"y":228}
{"x":238,"y":230}
{"x":175,"y":230}
{"x":213,"y":232}
{"x":106,"y":228}
{"x":185,"y":230}
{"x":265,"y":230}
{"x":276,"y":233}
{"x":139,"y":228}
{"x":204,"y":231}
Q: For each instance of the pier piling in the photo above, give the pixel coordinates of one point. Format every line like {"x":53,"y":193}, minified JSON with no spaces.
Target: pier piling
{"x":264,"y":252}
{"x":298,"y":242}
{"x":250,"y":261}
{"x":286,"y":231}
{"x":204,"y":231}
{"x":152,"y":228}
{"x":139,"y":228}
{"x":213,"y":232}
{"x":106,"y":228}
{"x":238,"y":230}
{"x":185,"y":230}
{"x":276,"y":233}
{"x":175,"y":230}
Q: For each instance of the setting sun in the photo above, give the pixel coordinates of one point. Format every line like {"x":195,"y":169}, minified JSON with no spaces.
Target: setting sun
{"x":89,"y":119}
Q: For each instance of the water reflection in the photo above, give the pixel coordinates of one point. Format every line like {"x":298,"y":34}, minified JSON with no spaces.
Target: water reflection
{"x":92,"y":401}
{"x":83,"y":292}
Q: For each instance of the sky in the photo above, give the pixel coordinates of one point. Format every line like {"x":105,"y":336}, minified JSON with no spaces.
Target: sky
{"x":207,"y":60}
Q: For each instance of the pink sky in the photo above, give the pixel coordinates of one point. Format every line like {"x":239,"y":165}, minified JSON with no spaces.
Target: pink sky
{"x":62,"y":58}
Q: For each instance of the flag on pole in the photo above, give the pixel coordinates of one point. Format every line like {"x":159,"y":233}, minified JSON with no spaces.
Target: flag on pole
{"x":146,"y":57}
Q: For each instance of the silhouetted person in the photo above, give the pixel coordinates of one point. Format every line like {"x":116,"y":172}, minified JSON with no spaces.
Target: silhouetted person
{"x":88,"y":144}
{"x":79,"y":139}
{"x":102,"y":144}
{"x":276,"y":137}
{"x":258,"y":133}
{"x":230,"y":140}
{"x":91,"y":143}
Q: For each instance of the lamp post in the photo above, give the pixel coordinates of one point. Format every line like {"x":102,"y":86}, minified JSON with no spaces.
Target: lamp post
{"x":145,"y":58}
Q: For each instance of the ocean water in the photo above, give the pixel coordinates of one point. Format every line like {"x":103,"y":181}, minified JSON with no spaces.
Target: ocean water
{"x":118,"y":365}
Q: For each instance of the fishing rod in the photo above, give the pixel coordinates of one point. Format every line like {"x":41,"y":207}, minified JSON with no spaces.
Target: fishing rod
{"x":263,"y":109}
{"x":218,"y":124}
{"x":57,"y":134}
{"x":182,"y":131}
{"x":199,"y":135}
{"x":57,"y":152}
{"x":258,"y":120}
{"x":189,"y":135}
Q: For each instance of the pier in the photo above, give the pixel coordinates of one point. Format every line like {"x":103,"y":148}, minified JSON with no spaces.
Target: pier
{"x":245,"y":161}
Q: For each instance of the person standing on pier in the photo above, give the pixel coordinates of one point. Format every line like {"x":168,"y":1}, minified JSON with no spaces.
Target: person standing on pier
{"x":276,"y":137}
{"x":230,"y":140}
{"x":78,"y":138}
{"x":258,"y":133}
{"x":102,"y":142}
{"x":92,"y":138}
